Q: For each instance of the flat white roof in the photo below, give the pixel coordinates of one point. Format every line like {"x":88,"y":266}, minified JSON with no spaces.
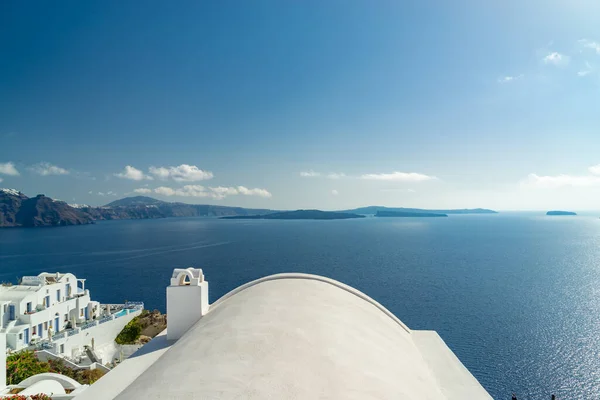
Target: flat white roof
{"x":296,"y":336}
{"x":16,"y":292}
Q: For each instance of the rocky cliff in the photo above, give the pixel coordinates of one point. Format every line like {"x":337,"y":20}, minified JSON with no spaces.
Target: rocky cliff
{"x":16,"y":210}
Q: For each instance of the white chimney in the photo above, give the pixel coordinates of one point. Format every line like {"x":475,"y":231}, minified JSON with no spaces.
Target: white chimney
{"x":187,"y":301}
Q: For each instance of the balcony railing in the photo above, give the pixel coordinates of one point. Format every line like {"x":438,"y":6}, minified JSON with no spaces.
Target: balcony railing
{"x":138,"y":305}
{"x":105,"y":319}
{"x":88,"y":325}
{"x":72,"y":332}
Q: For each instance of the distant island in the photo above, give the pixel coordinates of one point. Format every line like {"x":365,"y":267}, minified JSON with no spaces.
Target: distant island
{"x":299,"y":214}
{"x":560,"y":213}
{"x":373,"y":210}
{"x":19,"y":210}
{"x":408,"y":214}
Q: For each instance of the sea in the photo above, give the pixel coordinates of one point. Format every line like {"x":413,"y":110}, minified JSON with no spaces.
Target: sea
{"x":515,"y":296}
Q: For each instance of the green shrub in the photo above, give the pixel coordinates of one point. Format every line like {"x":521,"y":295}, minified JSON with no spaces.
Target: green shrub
{"x":22,"y":365}
{"x":130,"y":333}
{"x":89,"y":376}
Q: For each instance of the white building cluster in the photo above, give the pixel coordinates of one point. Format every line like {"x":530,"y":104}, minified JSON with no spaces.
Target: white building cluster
{"x":52,"y":313}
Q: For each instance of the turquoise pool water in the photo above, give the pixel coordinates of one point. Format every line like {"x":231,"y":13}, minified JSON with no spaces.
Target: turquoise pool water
{"x":121,"y":313}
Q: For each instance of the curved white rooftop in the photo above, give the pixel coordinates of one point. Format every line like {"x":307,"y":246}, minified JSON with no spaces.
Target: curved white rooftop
{"x":294,"y":336}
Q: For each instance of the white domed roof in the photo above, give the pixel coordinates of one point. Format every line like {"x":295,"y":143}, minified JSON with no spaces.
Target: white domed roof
{"x":296,"y":336}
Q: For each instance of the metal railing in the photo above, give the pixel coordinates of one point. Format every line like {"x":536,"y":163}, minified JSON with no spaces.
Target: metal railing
{"x":72,"y":332}
{"x":88,"y":325}
{"x":45,"y":345}
{"x":58,"y":336}
{"x":105,"y":319}
{"x":135,"y":304}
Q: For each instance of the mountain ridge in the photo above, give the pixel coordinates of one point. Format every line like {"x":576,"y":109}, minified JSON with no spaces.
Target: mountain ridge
{"x":19,"y":210}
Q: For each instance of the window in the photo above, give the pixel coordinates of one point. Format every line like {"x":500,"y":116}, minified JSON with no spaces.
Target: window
{"x":66,"y":317}
{"x":81,"y":312}
{"x":33,"y":331}
{"x":62,"y":348}
{"x":20,"y":336}
{"x":50,"y":324}
{"x":5,"y":307}
{"x":58,"y":295}
{"x":29,"y":307}
{"x":47,"y":291}
{"x":45,"y":326}
{"x":47,"y":300}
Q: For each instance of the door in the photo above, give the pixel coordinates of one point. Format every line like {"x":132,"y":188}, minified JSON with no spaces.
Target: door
{"x":47,"y":301}
{"x":40,"y":331}
{"x":86,"y":313}
{"x":26,"y":335}
{"x":11,"y":312}
{"x":56,"y":324}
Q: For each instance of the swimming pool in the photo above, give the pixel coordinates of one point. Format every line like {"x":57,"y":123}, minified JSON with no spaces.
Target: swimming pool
{"x":121,"y":313}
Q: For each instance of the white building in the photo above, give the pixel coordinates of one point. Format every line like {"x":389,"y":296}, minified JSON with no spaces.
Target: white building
{"x":54,"y":312}
{"x":286,"y":336}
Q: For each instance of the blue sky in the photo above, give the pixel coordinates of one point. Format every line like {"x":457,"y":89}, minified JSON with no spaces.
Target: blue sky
{"x":317,"y":104}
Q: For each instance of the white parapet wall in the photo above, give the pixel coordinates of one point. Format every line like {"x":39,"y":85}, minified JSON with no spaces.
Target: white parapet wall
{"x":2,"y":359}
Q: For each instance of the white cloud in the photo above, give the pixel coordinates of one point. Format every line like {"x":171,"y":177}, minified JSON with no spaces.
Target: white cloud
{"x":166,"y":191}
{"x":595,"y":169}
{"x":101,"y":194}
{"x":310,"y":174}
{"x":398,"y":177}
{"x":218,"y":192}
{"x":562,"y":180}
{"x":331,"y":175}
{"x":143,"y":190}
{"x":556,"y":58}
{"x":8,"y":169}
{"x":111,"y":193}
{"x":132,"y":173}
{"x":335,"y":192}
{"x":586,"y":71}
{"x":509,"y":79}
{"x":253,"y":192}
{"x":224,"y":191}
{"x":590,"y":44}
{"x":45,"y":169}
{"x":90,"y":192}
{"x":182,"y":173}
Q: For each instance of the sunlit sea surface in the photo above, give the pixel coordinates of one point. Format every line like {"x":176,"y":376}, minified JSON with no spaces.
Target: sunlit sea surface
{"x":516,"y":297}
